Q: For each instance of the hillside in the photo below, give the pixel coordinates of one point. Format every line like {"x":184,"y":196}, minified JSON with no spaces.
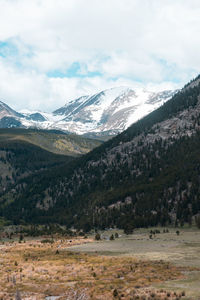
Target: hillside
{"x":51,"y":140}
{"x":147,"y":175}
{"x":20,"y":160}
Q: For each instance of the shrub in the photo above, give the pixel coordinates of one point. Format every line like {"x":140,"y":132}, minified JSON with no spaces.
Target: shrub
{"x":183,"y":293}
{"x":97,"y":237}
{"x":47,"y":241}
{"x":21,"y":237}
{"x":115,"y":293}
{"x":94,"y":274}
{"x":112,"y":237}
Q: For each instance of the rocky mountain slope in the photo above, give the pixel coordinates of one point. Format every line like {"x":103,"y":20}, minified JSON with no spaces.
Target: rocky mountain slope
{"x":106,"y":113}
{"x":147,"y":175}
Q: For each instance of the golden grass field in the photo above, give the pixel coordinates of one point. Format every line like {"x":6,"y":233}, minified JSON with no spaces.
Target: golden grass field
{"x":130,"y":267}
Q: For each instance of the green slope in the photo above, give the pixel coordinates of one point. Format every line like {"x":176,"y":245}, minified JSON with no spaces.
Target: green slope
{"x":53,"y":141}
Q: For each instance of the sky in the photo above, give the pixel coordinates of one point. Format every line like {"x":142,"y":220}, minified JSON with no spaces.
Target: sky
{"x":52,"y":51}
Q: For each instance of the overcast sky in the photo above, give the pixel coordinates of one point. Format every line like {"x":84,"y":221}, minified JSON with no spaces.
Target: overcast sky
{"x":52,"y":51}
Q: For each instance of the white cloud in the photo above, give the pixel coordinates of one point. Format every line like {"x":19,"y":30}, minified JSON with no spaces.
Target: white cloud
{"x":152,"y":42}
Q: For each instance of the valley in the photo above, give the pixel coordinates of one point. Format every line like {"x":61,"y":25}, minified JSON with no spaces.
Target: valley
{"x":134,"y":266}
{"x":99,"y":150}
{"x":59,"y":194}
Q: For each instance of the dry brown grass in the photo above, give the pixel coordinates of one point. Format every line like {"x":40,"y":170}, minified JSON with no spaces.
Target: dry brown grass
{"x":42,"y":269}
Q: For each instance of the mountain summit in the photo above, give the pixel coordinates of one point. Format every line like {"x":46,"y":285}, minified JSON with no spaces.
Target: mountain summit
{"x":110,"y":111}
{"x":9,"y":117}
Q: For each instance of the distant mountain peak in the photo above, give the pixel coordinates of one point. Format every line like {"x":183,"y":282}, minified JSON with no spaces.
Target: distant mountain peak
{"x":106,"y":112}
{"x":110,"y":110}
{"x":7,"y":111}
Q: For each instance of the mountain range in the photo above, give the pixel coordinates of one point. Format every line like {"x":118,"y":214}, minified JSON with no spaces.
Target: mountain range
{"x":108,"y":112}
{"x":147,"y":175}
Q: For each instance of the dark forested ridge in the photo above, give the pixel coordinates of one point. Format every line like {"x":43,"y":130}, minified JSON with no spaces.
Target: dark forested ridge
{"x":20,"y":160}
{"x":147,"y":175}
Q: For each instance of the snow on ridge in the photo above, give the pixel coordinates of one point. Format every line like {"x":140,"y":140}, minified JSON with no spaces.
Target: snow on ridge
{"x":113,"y":109}
{"x":105,"y":100}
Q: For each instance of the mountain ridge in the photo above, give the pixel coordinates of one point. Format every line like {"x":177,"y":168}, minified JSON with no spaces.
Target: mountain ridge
{"x":110,"y":111}
{"x":145,"y":176}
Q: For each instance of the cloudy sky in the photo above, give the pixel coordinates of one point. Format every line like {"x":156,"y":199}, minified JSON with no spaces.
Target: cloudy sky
{"x":52,"y":51}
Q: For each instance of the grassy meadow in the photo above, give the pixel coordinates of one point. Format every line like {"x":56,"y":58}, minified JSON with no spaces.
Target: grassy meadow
{"x":137,"y":266}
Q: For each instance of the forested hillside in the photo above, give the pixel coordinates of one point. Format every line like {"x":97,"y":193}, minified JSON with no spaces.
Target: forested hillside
{"x":20,"y":160}
{"x":51,"y":140}
{"x":147,"y":175}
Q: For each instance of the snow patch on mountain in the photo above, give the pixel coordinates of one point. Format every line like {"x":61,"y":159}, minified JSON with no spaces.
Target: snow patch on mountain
{"x":110,"y":111}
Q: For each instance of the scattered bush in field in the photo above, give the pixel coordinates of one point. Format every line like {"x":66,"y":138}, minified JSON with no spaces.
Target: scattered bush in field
{"x":177,"y":232}
{"x":21,"y":237}
{"x":183,"y":293}
{"x":47,"y":241}
{"x":115,"y":293}
{"x":112,"y":237}
{"x":116,"y":235}
{"x":97,"y":237}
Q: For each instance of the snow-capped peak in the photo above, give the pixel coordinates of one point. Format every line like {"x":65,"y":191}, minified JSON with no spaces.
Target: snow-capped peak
{"x":109,"y":111}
